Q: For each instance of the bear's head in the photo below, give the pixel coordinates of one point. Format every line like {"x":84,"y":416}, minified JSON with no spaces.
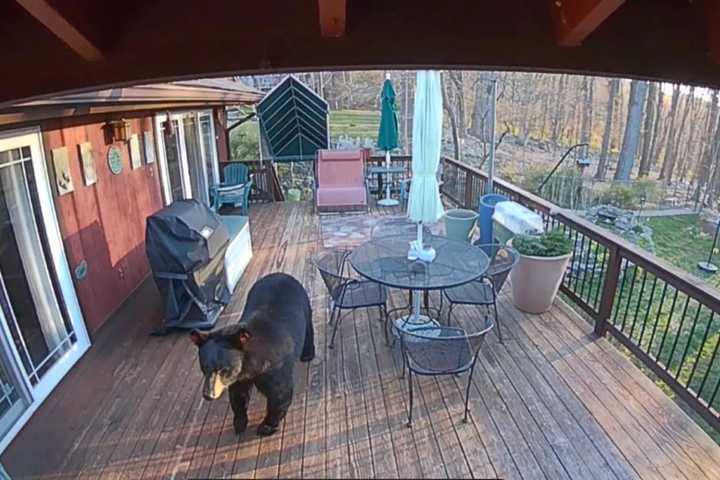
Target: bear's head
{"x":221,"y":354}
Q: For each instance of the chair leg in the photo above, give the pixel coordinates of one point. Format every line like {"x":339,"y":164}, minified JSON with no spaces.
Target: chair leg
{"x":331,"y":310}
{"x":442,"y":295}
{"x":497,"y":322}
{"x":335,"y":327}
{"x":410,"y":393}
{"x":467,"y":392}
{"x":383,"y":309}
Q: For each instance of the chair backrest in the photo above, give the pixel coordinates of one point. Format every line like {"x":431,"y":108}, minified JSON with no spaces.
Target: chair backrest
{"x":331,"y":265}
{"x":397,"y":227}
{"x":502,"y":260}
{"x":442,"y":349}
{"x":341,"y":168}
{"x":236,"y":173}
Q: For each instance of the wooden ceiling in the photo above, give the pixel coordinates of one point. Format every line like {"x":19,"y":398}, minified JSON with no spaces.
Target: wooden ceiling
{"x":57,"y":46}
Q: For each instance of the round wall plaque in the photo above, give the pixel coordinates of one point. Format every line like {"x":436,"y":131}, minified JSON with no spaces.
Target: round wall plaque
{"x":114,"y":158}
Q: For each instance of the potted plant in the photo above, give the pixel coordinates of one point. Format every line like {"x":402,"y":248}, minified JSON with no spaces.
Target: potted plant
{"x":537,"y":276}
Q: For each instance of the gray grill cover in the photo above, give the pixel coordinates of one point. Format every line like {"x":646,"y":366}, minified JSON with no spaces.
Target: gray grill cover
{"x":188,"y":238}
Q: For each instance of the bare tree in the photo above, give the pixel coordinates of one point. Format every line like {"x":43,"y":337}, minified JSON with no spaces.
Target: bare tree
{"x":450,"y":106}
{"x":631,"y":139}
{"x":648,"y":129}
{"x":613,"y":87}
{"x":587,"y":117}
{"x":712,"y":135}
{"x":669,"y":135}
{"x":688,"y":108}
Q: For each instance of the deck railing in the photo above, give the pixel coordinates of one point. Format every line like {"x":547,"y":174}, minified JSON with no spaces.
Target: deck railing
{"x":266,"y":183}
{"x":666,"y":318}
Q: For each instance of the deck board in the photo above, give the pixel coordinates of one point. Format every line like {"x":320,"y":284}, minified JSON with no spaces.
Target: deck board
{"x":550,"y":402}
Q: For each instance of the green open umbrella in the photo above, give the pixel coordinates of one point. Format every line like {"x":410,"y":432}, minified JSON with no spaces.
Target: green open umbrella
{"x":388,"y":131}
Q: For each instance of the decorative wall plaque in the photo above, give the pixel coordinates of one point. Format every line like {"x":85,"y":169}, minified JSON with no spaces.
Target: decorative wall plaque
{"x":135,"y":159}
{"x":149,"y":144}
{"x":63,"y":180}
{"x":87,"y":159}
{"x":114,"y":159}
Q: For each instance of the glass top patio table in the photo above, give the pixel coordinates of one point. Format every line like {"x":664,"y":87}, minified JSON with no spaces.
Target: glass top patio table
{"x":384,"y":260}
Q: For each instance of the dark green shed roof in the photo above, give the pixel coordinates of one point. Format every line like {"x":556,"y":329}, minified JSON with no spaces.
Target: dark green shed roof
{"x":293,"y":121}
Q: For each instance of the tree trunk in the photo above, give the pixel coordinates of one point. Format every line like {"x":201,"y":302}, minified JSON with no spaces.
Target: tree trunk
{"x":670,"y":132}
{"x":459,"y":86}
{"x":613,"y":87}
{"x":478,"y":124}
{"x":559,"y":117}
{"x":657,"y":128}
{"x":631,"y":138}
{"x":648,"y":129}
{"x":447,"y":105}
{"x":689,"y":107}
{"x":703,"y":172}
{"x":587,"y":118}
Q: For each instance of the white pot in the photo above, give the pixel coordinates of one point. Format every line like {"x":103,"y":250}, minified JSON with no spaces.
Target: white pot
{"x":536,"y":281}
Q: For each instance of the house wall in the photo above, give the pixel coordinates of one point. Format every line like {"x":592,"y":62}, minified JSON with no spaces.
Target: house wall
{"x":104,"y":224}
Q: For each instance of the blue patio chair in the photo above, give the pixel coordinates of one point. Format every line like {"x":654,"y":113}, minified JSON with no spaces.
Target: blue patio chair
{"x":235,"y":189}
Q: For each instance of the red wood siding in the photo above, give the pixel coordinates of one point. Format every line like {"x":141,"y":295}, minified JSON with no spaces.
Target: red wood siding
{"x":104,"y":223}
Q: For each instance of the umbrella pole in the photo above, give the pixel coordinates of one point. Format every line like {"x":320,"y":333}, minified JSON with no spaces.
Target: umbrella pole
{"x":491,"y":163}
{"x":387,"y":201}
{"x":387,"y":180}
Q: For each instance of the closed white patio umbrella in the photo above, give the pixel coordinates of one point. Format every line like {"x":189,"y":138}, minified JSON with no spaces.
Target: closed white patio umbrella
{"x":424,"y":204}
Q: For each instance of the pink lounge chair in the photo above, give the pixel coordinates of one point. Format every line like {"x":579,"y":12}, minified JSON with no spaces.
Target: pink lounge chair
{"x":340,"y":180}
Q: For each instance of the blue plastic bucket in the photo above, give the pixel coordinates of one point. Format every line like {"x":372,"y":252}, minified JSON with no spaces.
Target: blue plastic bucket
{"x":487,"y":208}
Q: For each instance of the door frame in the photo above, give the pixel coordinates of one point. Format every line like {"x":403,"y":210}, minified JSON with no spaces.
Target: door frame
{"x":183,"y":160}
{"x":32,"y":136}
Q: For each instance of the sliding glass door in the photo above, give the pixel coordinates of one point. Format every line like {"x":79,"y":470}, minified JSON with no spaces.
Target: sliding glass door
{"x":188,"y":158}
{"x":42,"y":332}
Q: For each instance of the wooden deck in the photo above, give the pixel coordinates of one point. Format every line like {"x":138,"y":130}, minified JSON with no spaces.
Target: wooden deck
{"x":551,"y":402}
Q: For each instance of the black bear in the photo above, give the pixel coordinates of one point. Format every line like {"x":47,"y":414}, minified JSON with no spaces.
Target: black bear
{"x":275,"y":329}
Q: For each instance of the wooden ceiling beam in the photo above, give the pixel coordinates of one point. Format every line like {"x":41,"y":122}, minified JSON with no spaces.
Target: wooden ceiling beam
{"x":332,"y":18}
{"x":62,"y":28}
{"x":712,"y":14}
{"x":575,"y":20}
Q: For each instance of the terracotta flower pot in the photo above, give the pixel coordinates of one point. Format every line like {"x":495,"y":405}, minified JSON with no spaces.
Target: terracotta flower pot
{"x":536,"y":280}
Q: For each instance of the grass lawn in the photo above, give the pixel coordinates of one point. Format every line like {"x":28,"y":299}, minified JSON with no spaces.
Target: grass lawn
{"x":354,"y":123}
{"x":681,"y":241}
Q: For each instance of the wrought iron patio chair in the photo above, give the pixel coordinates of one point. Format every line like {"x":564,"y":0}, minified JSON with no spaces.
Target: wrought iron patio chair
{"x":346,"y":293}
{"x":484,"y":291}
{"x":435,"y":350}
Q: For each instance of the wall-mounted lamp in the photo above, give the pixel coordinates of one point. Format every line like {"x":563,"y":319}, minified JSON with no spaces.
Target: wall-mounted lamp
{"x":118,"y":130}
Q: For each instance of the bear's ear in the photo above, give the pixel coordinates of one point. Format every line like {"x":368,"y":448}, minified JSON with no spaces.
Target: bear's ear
{"x":240,"y":338}
{"x":198,"y":338}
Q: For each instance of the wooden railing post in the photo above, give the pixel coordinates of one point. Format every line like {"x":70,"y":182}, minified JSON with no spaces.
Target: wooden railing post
{"x":469,"y":182}
{"x":612,"y":276}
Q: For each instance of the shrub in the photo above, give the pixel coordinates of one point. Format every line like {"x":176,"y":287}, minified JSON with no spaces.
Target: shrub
{"x":244,"y":142}
{"x":550,"y":244}
{"x":619,"y":195}
{"x":631,"y":196}
{"x":647,"y":189}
